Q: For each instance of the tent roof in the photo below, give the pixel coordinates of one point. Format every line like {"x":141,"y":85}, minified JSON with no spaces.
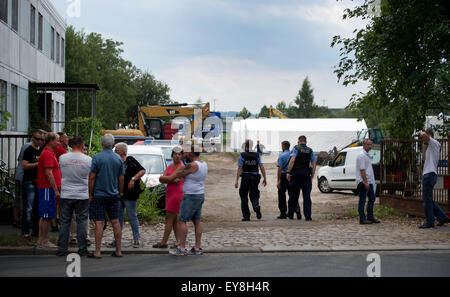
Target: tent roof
{"x":304,"y":125}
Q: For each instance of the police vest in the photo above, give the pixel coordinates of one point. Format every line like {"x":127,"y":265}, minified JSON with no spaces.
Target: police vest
{"x":250,"y":162}
{"x":303,"y":157}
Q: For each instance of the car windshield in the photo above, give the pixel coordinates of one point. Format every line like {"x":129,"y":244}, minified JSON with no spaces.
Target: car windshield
{"x":167,"y":151}
{"x":153,"y":164}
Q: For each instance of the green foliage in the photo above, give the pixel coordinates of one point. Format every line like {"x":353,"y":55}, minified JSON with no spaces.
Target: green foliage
{"x":380,"y":212}
{"x":149,"y":91}
{"x":84,"y":130}
{"x":4,"y":115}
{"x":264,"y":113}
{"x":147,"y":205}
{"x":404,"y":53}
{"x":244,"y":113}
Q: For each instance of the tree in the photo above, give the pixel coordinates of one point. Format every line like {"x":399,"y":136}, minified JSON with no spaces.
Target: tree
{"x":149,"y":91}
{"x":404,"y":53}
{"x":264,"y":113}
{"x":92,"y":59}
{"x":281,"y":106}
{"x":305,"y":100}
{"x":244,"y":113}
{"x":4,"y":115}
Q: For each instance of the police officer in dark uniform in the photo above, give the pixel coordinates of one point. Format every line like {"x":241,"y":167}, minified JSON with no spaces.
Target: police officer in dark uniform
{"x":302,"y":167}
{"x":249,"y":165}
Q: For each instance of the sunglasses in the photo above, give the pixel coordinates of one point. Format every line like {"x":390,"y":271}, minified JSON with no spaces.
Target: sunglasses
{"x":39,"y":139}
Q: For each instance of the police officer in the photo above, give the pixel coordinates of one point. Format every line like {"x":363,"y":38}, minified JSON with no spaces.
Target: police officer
{"x":249,"y":163}
{"x":302,"y":167}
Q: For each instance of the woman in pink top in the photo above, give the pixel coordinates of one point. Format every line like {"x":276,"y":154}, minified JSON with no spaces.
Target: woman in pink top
{"x":174,"y":195}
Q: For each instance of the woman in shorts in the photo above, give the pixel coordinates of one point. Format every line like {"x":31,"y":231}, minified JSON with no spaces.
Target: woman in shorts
{"x":174,"y":196}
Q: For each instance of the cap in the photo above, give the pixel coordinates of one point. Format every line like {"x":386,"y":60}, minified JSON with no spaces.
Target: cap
{"x":177,"y":149}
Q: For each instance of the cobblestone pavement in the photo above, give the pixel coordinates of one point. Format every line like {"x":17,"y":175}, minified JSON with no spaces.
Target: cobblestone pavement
{"x":316,"y":235}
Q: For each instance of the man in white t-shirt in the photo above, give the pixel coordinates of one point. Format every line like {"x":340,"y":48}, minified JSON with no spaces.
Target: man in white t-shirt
{"x":431,"y":151}
{"x":75,"y":168}
{"x":365,"y":179}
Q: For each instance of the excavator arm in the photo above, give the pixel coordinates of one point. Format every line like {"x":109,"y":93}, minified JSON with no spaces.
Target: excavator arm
{"x":167,"y":111}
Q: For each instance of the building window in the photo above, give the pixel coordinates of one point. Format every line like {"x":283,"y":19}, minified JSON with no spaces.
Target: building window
{"x":33,"y":25}
{"x":14,"y":104}
{"x":63,"y":50}
{"x":3,"y":94}
{"x":15,"y":15}
{"x":53,"y":44}
{"x":40,"y":31}
{"x":4,"y":10}
{"x":58,"y":48}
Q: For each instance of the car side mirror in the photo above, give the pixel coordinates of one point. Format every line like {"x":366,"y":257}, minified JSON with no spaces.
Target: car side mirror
{"x":330,"y":163}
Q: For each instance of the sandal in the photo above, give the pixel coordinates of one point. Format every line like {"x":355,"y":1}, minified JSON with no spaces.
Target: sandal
{"x":159,"y":246}
{"x":91,"y":255}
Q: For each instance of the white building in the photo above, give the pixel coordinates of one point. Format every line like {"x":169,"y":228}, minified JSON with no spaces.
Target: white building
{"x":32,"y":49}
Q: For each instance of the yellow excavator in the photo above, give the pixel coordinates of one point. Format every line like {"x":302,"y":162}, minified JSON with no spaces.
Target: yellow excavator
{"x":152,"y":124}
{"x":274,"y":111}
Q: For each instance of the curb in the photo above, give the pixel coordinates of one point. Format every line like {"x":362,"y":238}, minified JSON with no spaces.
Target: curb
{"x":27,"y":251}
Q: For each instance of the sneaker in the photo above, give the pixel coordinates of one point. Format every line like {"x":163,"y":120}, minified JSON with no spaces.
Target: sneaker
{"x":195,"y":251}
{"x":179,"y":252}
{"x":365,"y":222}
{"x":26,"y":236}
{"x":136,"y":244}
{"x":73,"y":241}
{"x":282,"y":217}
{"x":375,"y":221}
{"x":246,"y":220}
{"x":48,"y":245}
{"x":112,"y":244}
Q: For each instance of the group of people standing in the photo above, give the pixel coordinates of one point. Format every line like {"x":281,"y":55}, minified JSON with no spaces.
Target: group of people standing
{"x":296,"y":170}
{"x":57,"y":176}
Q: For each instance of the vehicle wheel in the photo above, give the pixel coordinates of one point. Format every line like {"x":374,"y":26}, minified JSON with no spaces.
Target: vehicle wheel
{"x":323,"y":185}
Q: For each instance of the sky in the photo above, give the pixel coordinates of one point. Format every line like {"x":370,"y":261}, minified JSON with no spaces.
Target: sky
{"x":231,"y":53}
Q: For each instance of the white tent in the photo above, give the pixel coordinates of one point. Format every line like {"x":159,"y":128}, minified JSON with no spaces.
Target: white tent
{"x":322,"y":134}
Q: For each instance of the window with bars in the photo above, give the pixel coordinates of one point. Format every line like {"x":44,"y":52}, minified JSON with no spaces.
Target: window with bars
{"x":32,"y":25}
{"x":4,"y":10}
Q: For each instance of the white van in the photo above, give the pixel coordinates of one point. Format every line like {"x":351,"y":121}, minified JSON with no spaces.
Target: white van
{"x":340,"y":174}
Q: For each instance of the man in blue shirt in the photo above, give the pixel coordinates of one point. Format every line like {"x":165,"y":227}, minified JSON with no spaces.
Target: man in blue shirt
{"x":105,"y":188}
{"x":283,"y":184}
{"x":302,"y":168}
{"x":248,"y":165}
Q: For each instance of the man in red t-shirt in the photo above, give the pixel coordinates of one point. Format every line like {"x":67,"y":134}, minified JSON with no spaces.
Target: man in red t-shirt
{"x":64,"y":145}
{"x":49,"y":183}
